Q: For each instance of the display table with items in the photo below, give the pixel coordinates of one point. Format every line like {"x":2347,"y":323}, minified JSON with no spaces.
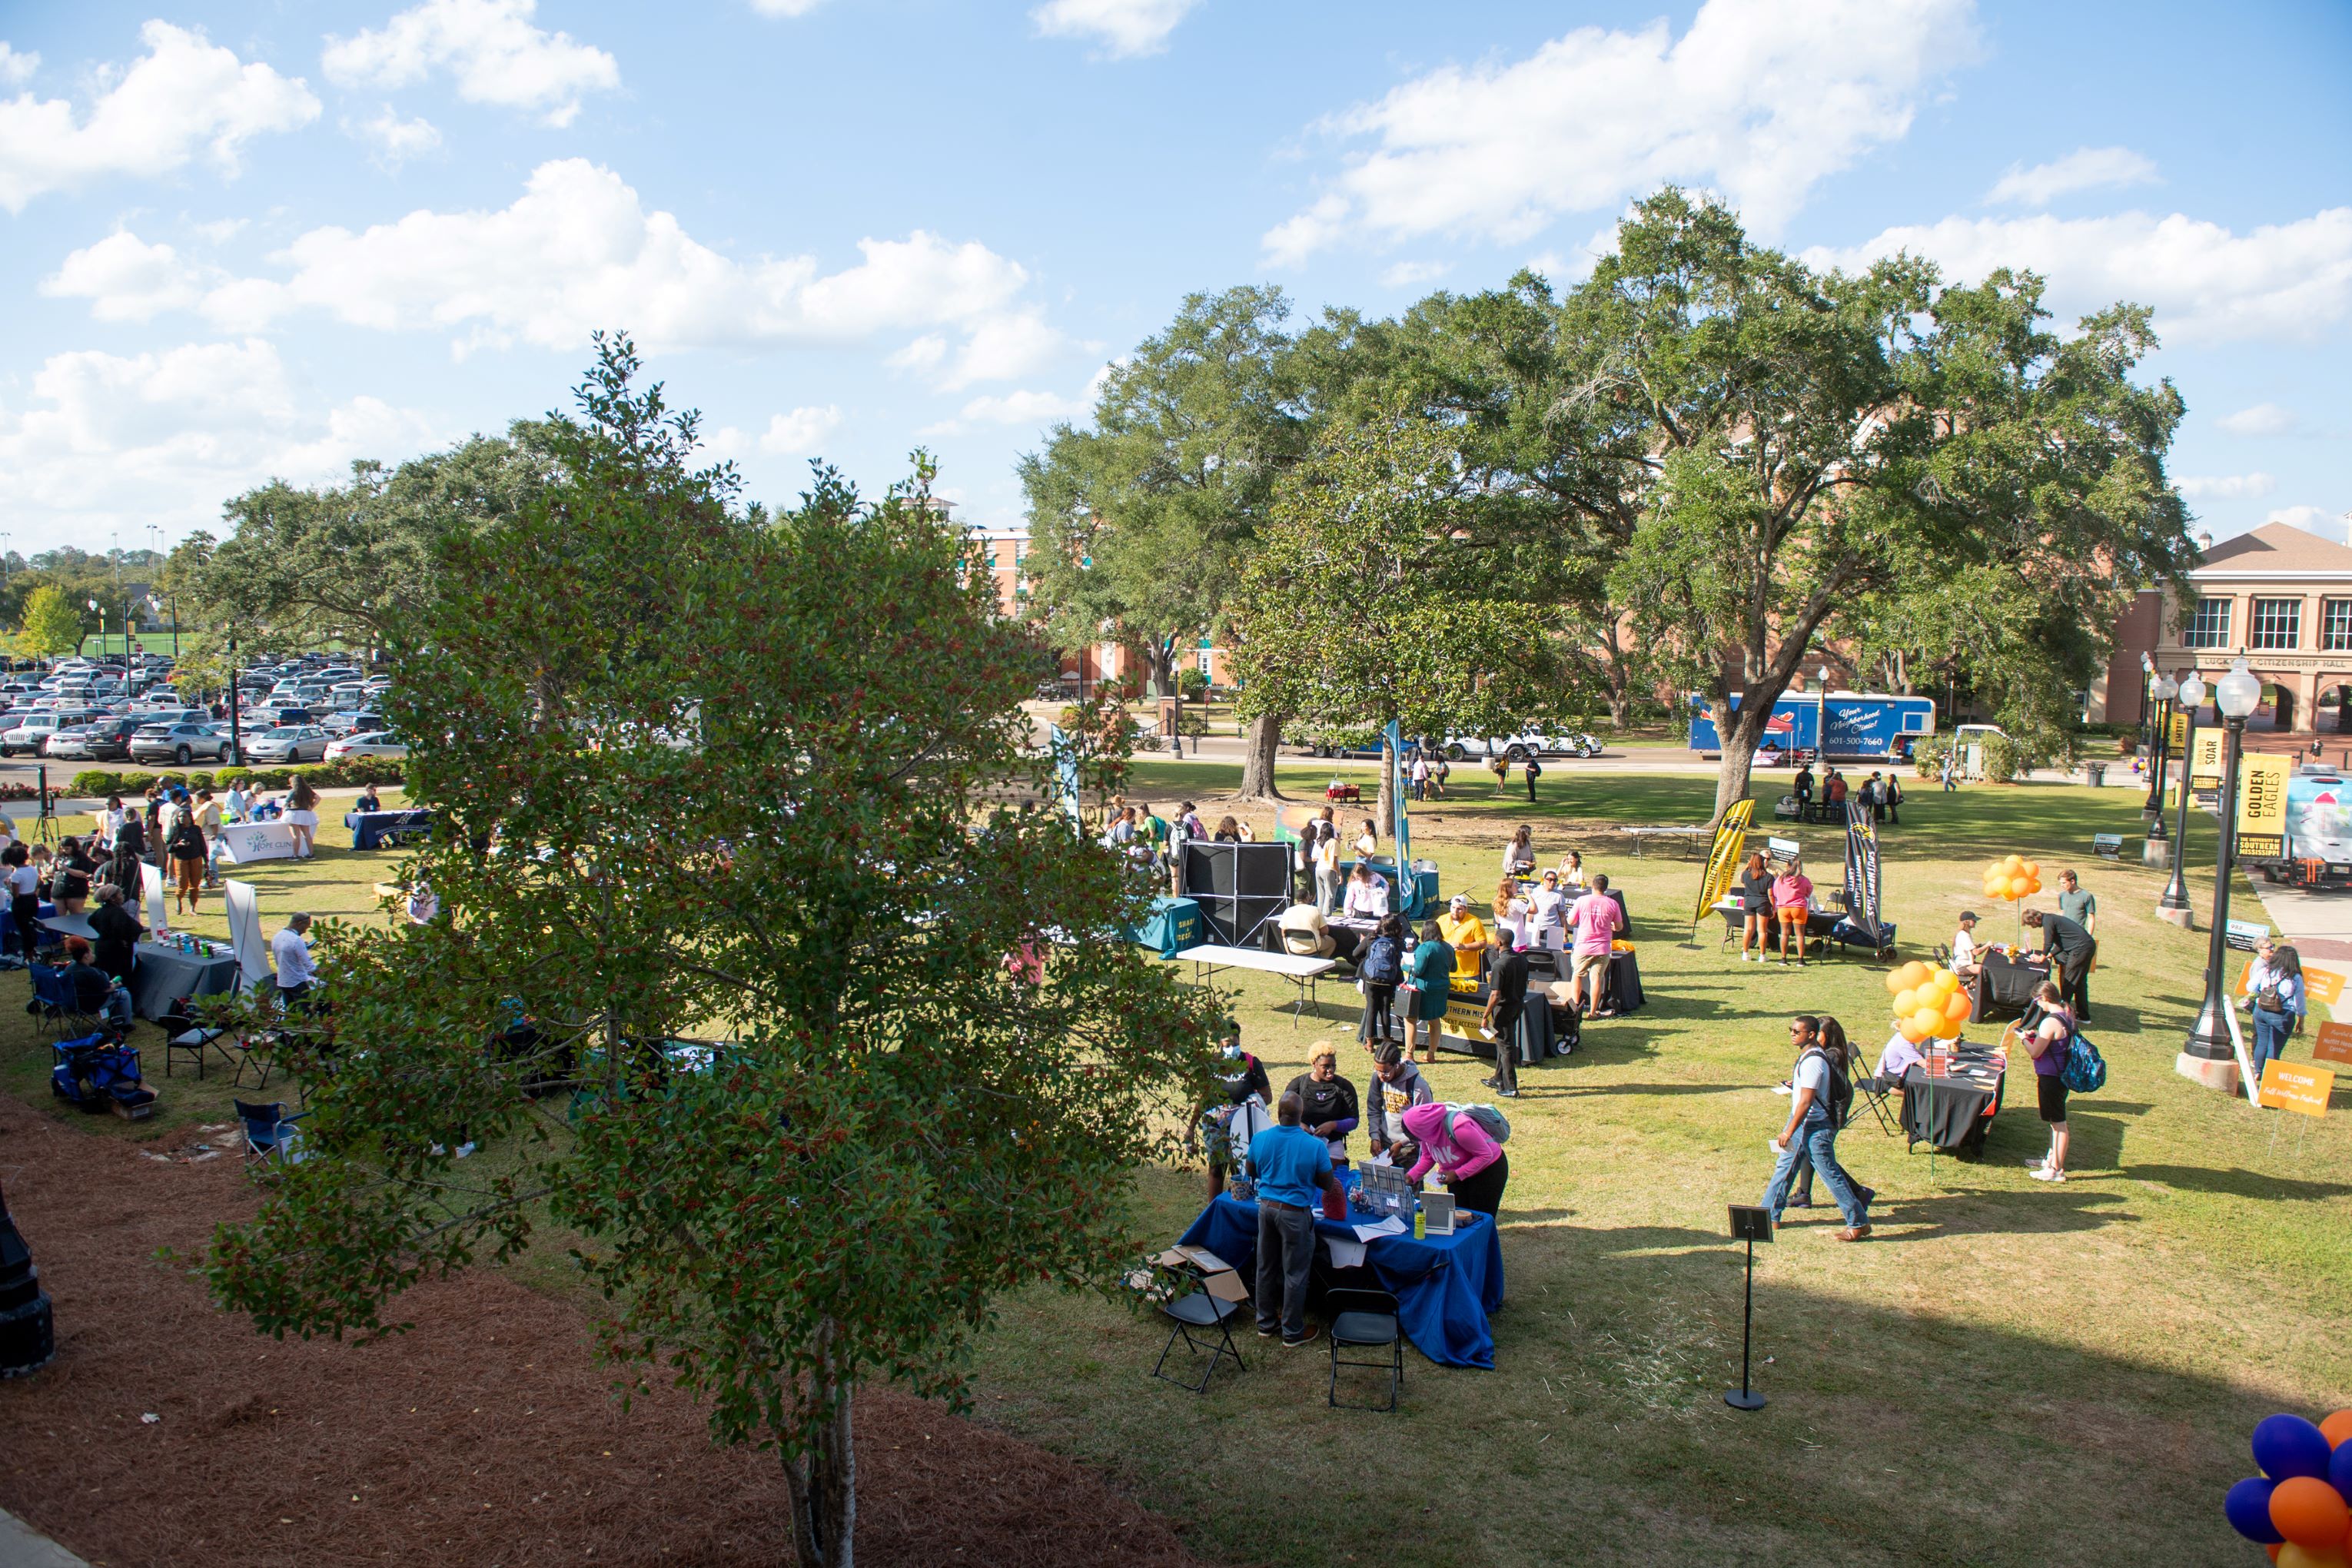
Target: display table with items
{"x":2005,"y":982}
{"x":374,"y":829}
{"x":161,"y":974}
{"x":1949,"y":1100}
{"x":1824,"y":927}
{"x":1445,"y":1286}
{"x":1173,"y":925}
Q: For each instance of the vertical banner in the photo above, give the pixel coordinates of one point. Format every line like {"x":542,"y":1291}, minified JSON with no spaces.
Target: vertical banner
{"x":242,"y":903}
{"x":1065,"y":769}
{"x":2177,"y":732}
{"x":159,"y":919}
{"x":1862,"y":868}
{"x":1723,"y":858}
{"x":2262,"y":805}
{"x":2205,"y":765}
{"x":1397,"y":790}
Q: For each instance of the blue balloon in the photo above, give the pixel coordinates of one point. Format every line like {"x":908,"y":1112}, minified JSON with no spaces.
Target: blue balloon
{"x":2340,"y":1469}
{"x":2289,"y":1445}
{"x":2249,"y":1508}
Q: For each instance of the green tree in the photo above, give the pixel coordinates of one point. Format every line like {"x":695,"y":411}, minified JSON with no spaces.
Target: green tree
{"x":1823,"y":457}
{"x":1141,"y":523}
{"x":52,"y":623}
{"x":1365,"y":604}
{"x":628,"y":751}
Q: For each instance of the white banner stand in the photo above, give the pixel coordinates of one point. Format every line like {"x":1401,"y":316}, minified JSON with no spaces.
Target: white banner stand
{"x":242,"y":900}
{"x":159,"y":919}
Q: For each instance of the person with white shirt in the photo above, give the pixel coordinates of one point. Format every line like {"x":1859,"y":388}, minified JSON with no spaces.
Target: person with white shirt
{"x":1519,"y":854}
{"x":23,"y":897}
{"x":1964,"y":947}
{"x":1367,"y":894}
{"x":237,"y":805}
{"x":1547,"y":915}
{"x":291,"y":951}
{"x":1511,"y":914}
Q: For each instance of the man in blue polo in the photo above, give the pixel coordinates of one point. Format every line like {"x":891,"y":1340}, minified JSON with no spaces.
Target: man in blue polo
{"x":1289,"y":1164}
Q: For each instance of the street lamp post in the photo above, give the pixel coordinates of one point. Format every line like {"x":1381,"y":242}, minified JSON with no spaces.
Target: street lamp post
{"x":2152,"y":710}
{"x":2173,"y":902}
{"x":2165,"y":692}
{"x":236,"y":732}
{"x":2210,"y":1056}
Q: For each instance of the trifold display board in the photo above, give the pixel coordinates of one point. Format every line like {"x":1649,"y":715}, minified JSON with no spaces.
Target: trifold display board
{"x":1242,"y":888}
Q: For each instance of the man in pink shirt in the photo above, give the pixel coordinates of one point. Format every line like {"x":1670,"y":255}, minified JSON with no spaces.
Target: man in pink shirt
{"x":1473,"y":1165}
{"x":1596,"y":920}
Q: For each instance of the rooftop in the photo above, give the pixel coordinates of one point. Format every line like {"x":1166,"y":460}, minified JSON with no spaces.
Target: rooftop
{"x":2276,"y":547}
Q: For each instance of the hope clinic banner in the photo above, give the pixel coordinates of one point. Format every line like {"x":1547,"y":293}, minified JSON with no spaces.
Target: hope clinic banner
{"x":2261,"y":805}
{"x":1723,"y":859}
{"x":245,"y":842}
{"x":1862,"y":868}
{"x":242,"y":903}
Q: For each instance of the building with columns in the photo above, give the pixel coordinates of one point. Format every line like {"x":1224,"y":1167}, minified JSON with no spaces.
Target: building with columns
{"x":2278,"y":597}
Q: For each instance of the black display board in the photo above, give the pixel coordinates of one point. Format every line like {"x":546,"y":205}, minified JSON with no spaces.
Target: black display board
{"x":1242,"y":888}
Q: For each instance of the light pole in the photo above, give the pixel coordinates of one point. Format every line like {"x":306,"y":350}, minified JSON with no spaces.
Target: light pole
{"x":2147,"y":725}
{"x":2174,"y":900}
{"x":2165,"y":691}
{"x":2209,"y":1056}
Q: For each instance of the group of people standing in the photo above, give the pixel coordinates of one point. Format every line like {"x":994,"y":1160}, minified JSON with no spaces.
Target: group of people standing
{"x":1880,"y":792}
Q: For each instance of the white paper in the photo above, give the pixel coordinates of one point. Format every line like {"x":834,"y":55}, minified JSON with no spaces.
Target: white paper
{"x":1389,"y":1227}
{"x":1345,"y":1254}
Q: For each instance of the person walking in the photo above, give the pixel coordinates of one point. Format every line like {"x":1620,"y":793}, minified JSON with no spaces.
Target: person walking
{"x":1844,"y":1060}
{"x":2046,"y":1037}
{"x":1290,"y":1165}
{"x":1502,"y":769}
{"x":1950,"y":754}
{"x":1420,"y":776}
{"x":2070,"y":950}
{"x":186,"y":852}
{"x":1534,"y":772}
{"x":302,"y":817}
{"x":1439,"y":771}
{"x":1433,"y":988}
{"x":1755,"y":908}
{"x":1815,"y":1117}
{"x":2275,"y":1000}
{"x":1382,"y":969}
{"x":1467,"y":1158}
{"x":1890,"y":796}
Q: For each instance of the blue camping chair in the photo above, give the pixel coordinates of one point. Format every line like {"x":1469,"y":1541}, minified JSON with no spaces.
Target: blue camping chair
{"x":269,"y":1133}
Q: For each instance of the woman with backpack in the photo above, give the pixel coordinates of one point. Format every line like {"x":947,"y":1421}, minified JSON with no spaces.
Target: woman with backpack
{"x":1381,"y":969}
{"x":1469,"y":1157}
{"x":2047,"y":1038}
{"x":2275,"y":1000}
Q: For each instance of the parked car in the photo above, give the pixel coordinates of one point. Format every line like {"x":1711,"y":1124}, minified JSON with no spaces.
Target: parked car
{"x":71,"y":741}
{"x":368,"y":743}
{"x":104,"y":739}
{"x":30,"y":735}
{"x":277,"y":713}
{"x":357,"y":722}
{"x":181,"y":743}
{"x":288,"y":743}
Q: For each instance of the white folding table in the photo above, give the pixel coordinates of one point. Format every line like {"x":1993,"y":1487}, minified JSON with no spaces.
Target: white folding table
{"x":1302,"y":972}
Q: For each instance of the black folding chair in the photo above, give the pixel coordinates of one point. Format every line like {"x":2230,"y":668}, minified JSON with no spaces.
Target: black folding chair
{"x":1365,"y":1319}
{"x":1200,"y":1310}
{"x":1877,"y":1093}
{"x":184,"y":1037}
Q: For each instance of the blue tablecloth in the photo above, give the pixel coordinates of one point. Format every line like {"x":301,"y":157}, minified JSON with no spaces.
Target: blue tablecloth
{"x":1444,"y":1285}
{"x":369,"y":827}
{"x":1173,"y":925}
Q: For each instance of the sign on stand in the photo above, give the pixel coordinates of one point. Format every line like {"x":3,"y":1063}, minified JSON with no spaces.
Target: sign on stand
{"x":2243,"y":934}
{"x":1723,"y":856}
{"x":2334,"y":1044}
{"x":2107,"y":845}
{"x":2290,"y":1086}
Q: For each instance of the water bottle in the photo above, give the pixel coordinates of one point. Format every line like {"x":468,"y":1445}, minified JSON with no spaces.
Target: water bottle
{"x":1420,"y":1223}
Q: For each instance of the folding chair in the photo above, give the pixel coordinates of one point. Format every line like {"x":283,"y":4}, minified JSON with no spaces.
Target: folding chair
{"x":53,"y":1004}
{"x":183,"y":1035}
{"x":1200,"y":1310}
{"x":1365,"y":1319}
{"x":1875,"y":1092}
{"x":269,"y":1133}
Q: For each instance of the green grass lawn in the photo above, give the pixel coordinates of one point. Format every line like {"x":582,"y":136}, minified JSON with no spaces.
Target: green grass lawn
{"x":2009,"y":1373}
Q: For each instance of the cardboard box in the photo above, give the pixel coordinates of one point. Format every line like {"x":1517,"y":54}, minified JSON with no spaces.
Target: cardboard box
{"x":1217,"y":1276}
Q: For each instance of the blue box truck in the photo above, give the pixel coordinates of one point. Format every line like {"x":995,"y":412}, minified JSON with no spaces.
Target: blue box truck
{"x":1863,"y":726}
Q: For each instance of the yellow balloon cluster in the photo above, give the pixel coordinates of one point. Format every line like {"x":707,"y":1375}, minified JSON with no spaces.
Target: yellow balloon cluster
{"x":2012,"y":878}
{"x":1929,"y":1002}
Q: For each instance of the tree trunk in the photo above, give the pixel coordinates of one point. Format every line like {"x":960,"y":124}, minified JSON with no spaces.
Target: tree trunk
{"x":1739,"y":758}
{"x":1257,"y":758}
{"x":1387,"y":817}
{"x":823,"y":1482}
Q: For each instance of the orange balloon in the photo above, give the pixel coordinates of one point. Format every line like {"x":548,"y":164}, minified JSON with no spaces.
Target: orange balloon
{"x":2310,"y":1513}
{"x":1926,"y":1020}
{"x":2273,"y":1549}
{"x":1894,"y":982}
{"x":1906,"y":1003}
{"x":2014,"y":863}
{"x":1910,"y":1032}
{"x":2337,"y":1428}
{"x":2029,"y":868}
{"x":1949,"y":1029}
{"x":2292,"y":1555}
{"x":1956,"y":1008}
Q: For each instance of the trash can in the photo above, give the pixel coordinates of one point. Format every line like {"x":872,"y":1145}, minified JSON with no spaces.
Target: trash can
{"x":2095,"y":774}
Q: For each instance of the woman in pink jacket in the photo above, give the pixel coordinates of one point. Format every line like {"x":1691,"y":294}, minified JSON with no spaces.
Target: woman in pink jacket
{"x":1792,"y":893}
{"x":1473,"y":1165}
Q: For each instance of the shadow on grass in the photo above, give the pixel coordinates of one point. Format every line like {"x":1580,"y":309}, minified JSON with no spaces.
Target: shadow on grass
{"x":2237,"y":1183}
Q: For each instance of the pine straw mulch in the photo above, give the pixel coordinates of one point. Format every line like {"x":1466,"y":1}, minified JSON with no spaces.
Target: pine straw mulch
{"x":486,"y":1435}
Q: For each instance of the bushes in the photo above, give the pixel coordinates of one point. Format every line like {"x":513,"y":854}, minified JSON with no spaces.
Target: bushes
{"x":343,"y":773}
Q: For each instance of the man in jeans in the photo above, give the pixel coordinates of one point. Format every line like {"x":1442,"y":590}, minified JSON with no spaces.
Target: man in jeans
{"x":1289,"y":1166}
{"x":1815,"y":1114}
{"x":2070,"y":950}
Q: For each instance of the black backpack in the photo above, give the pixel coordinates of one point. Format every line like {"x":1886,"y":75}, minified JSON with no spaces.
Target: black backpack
{"x":1841,"y":1102}
{"x":1383,"y":962}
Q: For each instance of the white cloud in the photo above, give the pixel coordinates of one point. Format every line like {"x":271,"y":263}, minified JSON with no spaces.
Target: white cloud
{"x":1760,"y":98}
{"x":2261,"y":419}
{"x":1011,"y":408}
{"x":16,"y":67}
{"x":578,"y":250}
{"x":1002,"y":348}
{"x":1407,"y":274}
{"x":2310,"y":518}
{"x":492,"y":47}
{"x":126,"y":279}
{"x":923,"y":355}
{"x":220,"y":230}
{"x":1125,"y":27}
{"x":785,"y":7}
{"x":2206,"y":283}
{"x":2084,"y":169}
{"x":2225,"y":486}
{"x":183,"y":97}
{"x":395,"y":139}
{"x":166,"y":437}
{"x":800,"y":432}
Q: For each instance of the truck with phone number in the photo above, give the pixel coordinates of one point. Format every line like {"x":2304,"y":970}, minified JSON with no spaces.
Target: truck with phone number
{"x":1861,"y":726}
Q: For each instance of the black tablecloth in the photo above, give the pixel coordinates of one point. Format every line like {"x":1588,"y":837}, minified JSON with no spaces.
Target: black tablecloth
{"x":2004,"y":986}
{"x":369,"y":828}
{"x":160,"y":975}
{"x":1955,"y":1110}
{"x":1622,"y":994}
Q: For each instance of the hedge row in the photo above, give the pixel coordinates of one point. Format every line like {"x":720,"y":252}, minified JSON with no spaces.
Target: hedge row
{"x":341,"y":773}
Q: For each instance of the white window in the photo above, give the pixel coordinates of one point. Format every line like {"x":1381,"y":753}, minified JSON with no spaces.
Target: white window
{"x":2209,"y":626}
{"x":2278,"y":623}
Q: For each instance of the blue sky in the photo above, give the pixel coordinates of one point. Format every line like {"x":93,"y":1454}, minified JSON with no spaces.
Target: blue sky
{"x":247,"y":240}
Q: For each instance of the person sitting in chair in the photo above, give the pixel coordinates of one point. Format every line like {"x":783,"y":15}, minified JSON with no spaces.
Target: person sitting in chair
{"x":1964,"y":948}
{"x":1367,"y":894}
{"x":368,"y":800}
{"x":85,"y":982}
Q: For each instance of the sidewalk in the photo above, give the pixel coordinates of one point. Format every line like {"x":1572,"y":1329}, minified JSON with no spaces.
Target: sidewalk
{"x":2318,"y":924}
{"x":20,"y":1548}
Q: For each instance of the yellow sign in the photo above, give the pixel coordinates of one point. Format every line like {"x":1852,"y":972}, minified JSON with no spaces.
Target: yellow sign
{"x":2205,"y":765}
{"x":2179,"y":728}
{"x":2324,"y":984}
{"x":2262,"y":795}
{"x":2333,"y":1044}
{"x":1723,"y":859}
{"x":2288,"y":1085}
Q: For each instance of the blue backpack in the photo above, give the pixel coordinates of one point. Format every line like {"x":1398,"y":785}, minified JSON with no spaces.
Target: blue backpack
{"x":1384,"y":960}
{"x":2085,"y":1071}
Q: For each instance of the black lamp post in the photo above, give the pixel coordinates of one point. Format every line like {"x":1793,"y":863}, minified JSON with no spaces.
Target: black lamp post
{"x":2165,"y":692}
{"x":236,"y":734}
{"x":2236,"y":694}
{"x":2175,"y":891}
{"x":2151,"y":725}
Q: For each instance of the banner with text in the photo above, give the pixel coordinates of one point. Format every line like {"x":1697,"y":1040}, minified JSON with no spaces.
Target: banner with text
{"x":1862,"y":868}
{"x":2205,"y":762}
{"x":2261,"y":805}
{"x":1723,"y":858}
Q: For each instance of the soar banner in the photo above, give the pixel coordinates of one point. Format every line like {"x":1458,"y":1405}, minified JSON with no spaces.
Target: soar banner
{"x":1723,"y":858}
{"x":1862,"y":868}
{"x":2205,"y":761}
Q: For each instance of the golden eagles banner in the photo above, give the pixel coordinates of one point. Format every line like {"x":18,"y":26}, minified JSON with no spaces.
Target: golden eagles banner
{"x":2262,"y":805}
{"x":1723,"y":859}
